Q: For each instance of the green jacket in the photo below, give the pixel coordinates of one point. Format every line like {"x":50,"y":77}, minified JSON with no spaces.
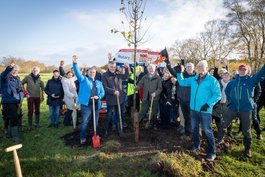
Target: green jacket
{"x":36,"y":88}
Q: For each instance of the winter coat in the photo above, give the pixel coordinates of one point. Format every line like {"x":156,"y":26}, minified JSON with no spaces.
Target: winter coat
{"x":166,"y":93}
{"x":54,"y":86}
{"x":34,"y":87}
{"x":150,"y":86}
{"x":85,"y":87}
{"x":184,"y":92}
{"x":11,"y":87}
{"x":112,"y":82}
{"x":70,"y":93}
{"x":240,"y":91}
{"x":207,"y":91}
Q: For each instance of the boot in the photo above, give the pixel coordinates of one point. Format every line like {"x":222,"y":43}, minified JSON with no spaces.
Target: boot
{"x":37,"y":121}
{"x":15,"y":134}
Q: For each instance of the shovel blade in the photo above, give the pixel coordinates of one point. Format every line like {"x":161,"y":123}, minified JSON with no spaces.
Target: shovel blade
{"x":95,"y":141}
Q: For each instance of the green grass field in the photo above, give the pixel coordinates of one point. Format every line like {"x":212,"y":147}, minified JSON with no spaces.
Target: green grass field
{"x":44,"y":154}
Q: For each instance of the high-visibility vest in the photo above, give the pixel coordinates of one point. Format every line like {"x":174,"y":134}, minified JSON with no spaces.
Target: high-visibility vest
{"x":130,"y":88}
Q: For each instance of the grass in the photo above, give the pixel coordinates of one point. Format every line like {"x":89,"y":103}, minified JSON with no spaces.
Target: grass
{"x":44,"y":154}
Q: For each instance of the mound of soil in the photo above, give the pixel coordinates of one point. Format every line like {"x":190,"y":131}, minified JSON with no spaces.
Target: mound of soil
{"x":150,"y":142}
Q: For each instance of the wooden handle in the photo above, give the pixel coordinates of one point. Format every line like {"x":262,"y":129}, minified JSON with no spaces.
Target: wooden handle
{"x":12,"y":148}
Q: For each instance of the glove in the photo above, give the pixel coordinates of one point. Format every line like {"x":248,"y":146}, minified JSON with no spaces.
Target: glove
{"x":153,"y":94}
{"x":178,"y":68}
{"x":204,"y":107}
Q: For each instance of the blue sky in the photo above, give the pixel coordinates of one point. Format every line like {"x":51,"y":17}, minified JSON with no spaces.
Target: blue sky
{"x":51,"y":30}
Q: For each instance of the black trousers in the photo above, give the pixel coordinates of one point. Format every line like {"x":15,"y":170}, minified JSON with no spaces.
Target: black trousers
{"x":11,"y":114}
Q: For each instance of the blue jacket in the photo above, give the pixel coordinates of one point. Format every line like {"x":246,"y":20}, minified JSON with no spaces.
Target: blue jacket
{"x":85,"y":87}
{"x":11,"y":87}
{"x":240,"y":91}
{"x":208,"y":91}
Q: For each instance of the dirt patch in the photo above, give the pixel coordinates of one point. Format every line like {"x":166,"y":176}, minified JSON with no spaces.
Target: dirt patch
{"x":150,"y":142}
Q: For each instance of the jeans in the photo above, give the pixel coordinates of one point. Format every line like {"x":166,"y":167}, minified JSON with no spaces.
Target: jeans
{"x":114,"y":117}
{"x":87,"y":114}
{"x":54,"y":112}
{"x":205,"y":119}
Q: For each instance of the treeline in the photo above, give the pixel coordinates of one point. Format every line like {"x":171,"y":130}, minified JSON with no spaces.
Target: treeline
{"x":25,"y":65}
{"x":240,"y":35}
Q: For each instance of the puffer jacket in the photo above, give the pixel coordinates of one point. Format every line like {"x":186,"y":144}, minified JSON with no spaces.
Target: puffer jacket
{"x":54,"y":86}
{"x":11,"y":87}
{"x":240,"y":91}
{"x":207,"y":91}
{"x":85,"y":87}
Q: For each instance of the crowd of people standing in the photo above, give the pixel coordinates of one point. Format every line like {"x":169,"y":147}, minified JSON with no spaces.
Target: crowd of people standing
{"x":197,"y":98}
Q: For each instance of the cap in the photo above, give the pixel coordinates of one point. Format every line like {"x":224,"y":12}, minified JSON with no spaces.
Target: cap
{"x":242,"y":66}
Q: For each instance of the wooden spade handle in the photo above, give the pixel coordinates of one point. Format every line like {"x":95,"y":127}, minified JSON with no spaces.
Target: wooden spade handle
{"x":16,"y":159}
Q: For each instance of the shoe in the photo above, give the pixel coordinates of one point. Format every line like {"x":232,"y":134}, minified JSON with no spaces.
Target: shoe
{"x":82,"y":141}
{"x":155,"y":128}
{"x":56,"y":126}
{"x":50,"y":125}
{"x":114,"y":128}
{"x":247,"y":153}
{"x":211,"y":157}
{"x":30,"y":128}
{"x":220,"y":141}
{"x":259,"y":137}
{"x":195,"y":150}
{"x":263,"y":129}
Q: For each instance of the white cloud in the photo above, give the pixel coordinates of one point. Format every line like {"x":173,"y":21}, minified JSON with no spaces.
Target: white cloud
{"x":91,"y":38}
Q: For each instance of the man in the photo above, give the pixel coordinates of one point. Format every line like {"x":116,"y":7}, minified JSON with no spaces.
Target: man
{"x":239,"y":93}
{"x":54,"y":90}
{"x":90,"y":88}
{"x":12,"y":94}
{"x":205,"y":93}
{"x":152,"y":88}
{"x":35,"y":88}
{"x":112,"y":82}
{"x":183,"y":93}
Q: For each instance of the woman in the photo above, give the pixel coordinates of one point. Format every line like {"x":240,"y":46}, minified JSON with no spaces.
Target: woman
{"x":70,"y":94}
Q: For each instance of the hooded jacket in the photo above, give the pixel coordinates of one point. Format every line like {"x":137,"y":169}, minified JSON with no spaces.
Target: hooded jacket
{"x":240,"y":91}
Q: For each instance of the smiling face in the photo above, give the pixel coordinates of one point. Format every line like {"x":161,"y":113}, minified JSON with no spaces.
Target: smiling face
{"x":92,"y":73}
{"x":15,"y":70}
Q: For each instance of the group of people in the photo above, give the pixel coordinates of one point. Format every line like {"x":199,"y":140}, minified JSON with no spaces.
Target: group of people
{"x":164,"y":93}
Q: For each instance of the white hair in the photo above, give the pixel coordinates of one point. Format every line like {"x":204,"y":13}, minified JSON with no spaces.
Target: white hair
{"x":189,"y":64}
{"x":203,"y":63}
{"x":152,"y":66}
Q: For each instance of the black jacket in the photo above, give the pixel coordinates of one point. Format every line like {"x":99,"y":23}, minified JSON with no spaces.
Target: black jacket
{"x":54,"y":86}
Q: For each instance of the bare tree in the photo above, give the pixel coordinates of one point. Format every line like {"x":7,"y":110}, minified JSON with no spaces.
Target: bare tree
{"x":133,"y":11}
{"x":248,"y":20}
